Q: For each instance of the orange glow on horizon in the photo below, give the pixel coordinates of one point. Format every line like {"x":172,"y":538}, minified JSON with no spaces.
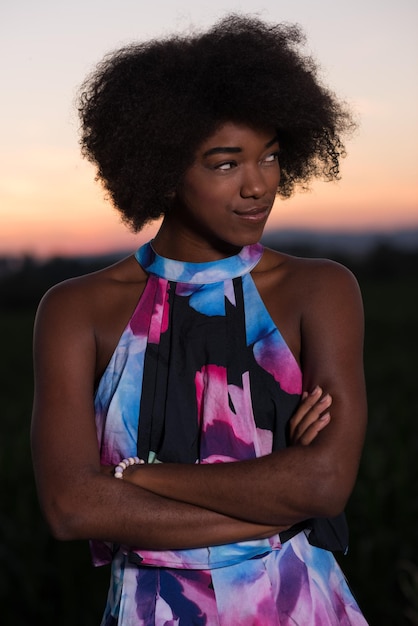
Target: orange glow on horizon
{"x":49,"y":202}
{"x":54,"y":207}
{"x":83,"y":227}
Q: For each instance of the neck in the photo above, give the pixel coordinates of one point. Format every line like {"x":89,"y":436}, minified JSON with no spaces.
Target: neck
{"x":174,"y":243}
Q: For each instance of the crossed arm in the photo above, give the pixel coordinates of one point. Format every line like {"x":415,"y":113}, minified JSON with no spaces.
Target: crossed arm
{"x":181,"y":506}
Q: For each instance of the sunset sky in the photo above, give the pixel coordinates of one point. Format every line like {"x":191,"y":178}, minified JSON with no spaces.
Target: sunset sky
{"x":49,"y":201}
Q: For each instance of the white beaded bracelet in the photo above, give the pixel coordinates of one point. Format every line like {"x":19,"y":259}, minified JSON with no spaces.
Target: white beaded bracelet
{"x":121,"y":467}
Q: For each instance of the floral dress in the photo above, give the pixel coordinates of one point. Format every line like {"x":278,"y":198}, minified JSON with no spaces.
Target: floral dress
{"x":201,"y":374}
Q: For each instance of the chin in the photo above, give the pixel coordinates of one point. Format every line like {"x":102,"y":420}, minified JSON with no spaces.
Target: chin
{"x":249,"y":238}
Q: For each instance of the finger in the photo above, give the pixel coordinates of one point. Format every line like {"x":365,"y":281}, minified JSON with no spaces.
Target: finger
{"x":307,"y":402}
{"x":314,"y":429}
{"x":312,"y":415}
{"x":307,"y":415}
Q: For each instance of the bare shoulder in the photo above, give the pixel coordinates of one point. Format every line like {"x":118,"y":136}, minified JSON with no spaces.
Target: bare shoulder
{"x":303,"y":292}
{"x":87,"y":295}
{"x":309,"y":276}
{"x":93,"y":309}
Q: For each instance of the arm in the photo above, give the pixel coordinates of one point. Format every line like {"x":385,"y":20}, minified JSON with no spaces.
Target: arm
{"x":310,"y":481}
{"x":78,"y":501}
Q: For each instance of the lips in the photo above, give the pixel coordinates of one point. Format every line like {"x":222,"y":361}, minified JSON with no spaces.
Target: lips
{"x":253,"y":214}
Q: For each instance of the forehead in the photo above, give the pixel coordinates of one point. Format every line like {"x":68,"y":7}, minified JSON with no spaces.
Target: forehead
{"x":234,"y":135}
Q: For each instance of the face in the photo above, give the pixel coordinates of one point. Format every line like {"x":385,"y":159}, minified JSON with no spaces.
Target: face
{"x":227,"y":194}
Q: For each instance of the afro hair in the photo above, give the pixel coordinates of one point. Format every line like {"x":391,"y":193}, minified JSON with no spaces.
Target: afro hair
{"x":147,"y":108}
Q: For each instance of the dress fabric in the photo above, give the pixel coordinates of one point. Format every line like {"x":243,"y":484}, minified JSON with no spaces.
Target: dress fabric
{"x":201,"y":374}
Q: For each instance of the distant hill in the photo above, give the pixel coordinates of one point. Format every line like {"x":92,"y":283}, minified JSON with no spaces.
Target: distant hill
{"x":376,"y":255}
{"x":352,"y":243}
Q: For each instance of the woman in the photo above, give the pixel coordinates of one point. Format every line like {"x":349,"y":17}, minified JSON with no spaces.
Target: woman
{"x":205,"y":365}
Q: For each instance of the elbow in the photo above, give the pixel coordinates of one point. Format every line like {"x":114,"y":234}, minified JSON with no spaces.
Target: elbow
{"x":331,"y":495}
{"x":72,"y":509}
{"x":331,"y":506}
{"x":64,"y":523}
{"x":61,"y":526}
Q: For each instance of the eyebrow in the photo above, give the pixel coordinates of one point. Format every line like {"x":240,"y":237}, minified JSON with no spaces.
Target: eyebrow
{"x":234,"y":150}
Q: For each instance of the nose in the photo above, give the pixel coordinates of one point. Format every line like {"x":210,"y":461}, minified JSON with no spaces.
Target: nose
{"x":253,"y":184}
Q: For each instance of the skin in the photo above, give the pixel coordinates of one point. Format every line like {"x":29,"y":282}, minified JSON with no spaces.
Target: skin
{"x":221,"y":204}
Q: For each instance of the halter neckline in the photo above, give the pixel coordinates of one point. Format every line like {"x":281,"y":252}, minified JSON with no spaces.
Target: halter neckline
{"x":199,"y":273}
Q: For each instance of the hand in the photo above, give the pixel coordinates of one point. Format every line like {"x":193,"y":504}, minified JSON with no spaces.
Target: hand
{"x":310,"y":417}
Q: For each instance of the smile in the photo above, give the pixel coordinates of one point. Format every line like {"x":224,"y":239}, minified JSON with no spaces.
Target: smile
{"x":256,"y":214}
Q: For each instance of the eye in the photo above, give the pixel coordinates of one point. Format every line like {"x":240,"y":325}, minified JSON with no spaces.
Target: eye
{"x":227,"y":165}
{"x":271,"y":158}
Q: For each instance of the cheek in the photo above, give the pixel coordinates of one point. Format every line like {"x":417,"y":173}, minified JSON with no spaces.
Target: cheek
{"x":207,"y":195}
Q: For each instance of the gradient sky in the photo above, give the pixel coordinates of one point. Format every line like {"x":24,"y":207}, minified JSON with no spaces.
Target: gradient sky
{"x":49,"y":201}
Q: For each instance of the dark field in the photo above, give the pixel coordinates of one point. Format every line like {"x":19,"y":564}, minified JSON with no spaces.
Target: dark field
{"x":51,"y":583}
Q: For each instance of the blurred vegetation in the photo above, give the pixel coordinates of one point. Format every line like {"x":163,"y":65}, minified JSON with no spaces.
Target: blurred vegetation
{"x":45,"y":581}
